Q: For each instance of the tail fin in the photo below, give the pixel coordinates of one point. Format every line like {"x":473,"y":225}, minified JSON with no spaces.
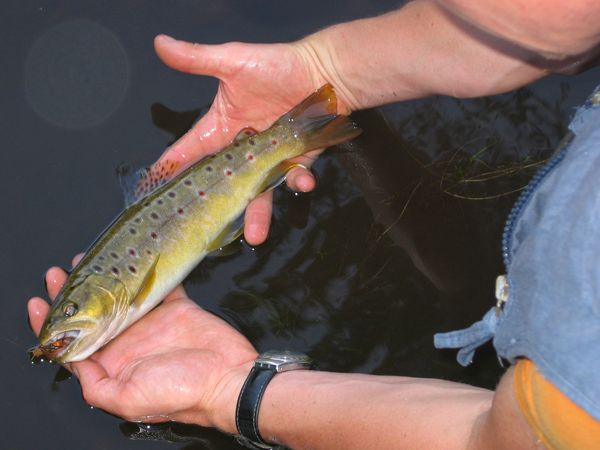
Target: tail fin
{"x":317,"y":123}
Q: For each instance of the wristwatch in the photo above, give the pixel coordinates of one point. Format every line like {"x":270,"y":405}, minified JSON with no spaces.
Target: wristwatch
{"x":266,"y":366}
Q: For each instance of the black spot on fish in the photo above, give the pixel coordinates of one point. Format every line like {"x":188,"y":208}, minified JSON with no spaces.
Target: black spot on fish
{"x":132,"y":231}
{"x":114,"y":255}
{"x":101,"y":258}
{"x":153,"y":235}
{"x":228,"y":156}
{"x":251,"y":141}
{"x":114,"y":270}
{"x":132,"y":269}
{"x":180,"y":211}
{"x":188,"y":182}
{"x":97,"y":268}
{"x":171,"y":194}
{"x":132,"y":252}
{"x":154,"y":215}
{"x":160,"y":201}
{"x":138,"y":220}
{"x":208,"y":169}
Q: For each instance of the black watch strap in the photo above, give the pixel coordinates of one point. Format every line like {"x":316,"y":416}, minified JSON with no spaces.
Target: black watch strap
{"x":249,"y":402}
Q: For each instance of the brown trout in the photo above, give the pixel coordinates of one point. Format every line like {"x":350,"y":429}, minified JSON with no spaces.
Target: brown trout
{"x":170,"y":225}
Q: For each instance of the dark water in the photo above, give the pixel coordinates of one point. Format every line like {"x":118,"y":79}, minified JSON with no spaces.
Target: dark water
{"x":400,"y":240}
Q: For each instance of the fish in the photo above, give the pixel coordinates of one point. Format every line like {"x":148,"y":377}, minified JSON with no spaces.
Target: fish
{"x":172,"y":220}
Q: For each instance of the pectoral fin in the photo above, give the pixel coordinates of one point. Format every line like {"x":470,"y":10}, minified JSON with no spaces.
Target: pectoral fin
{"x":147,"y":284}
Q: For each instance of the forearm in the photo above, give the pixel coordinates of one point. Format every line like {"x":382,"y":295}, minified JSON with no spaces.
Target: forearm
{"x":314,"y":410}
{"x":420,"y":50}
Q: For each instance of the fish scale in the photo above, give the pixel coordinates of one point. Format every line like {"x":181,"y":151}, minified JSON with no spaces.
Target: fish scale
{"x":165,"y":232}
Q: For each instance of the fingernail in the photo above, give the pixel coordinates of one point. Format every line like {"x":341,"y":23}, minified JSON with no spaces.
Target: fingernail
{"x":166,"y":39}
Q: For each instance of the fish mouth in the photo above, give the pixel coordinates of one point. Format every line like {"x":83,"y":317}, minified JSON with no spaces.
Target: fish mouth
{"x":59,"y":343}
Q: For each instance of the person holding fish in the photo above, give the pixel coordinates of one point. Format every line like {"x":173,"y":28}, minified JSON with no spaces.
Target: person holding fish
{"x":179,"y":362}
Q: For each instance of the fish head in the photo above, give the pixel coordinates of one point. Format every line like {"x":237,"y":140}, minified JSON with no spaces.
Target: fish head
{"x":83,"y":317}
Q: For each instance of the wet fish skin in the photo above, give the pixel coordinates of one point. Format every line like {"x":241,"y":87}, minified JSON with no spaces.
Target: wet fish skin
{"x":156,"y":242}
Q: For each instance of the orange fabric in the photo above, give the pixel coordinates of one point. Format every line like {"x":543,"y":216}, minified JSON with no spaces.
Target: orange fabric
{"x":558,"y":422}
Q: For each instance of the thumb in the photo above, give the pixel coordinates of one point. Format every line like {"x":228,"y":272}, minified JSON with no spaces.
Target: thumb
{"x":198,"y":59}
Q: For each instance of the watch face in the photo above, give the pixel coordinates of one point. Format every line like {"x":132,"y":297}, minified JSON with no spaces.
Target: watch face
{"x":284,"y":360}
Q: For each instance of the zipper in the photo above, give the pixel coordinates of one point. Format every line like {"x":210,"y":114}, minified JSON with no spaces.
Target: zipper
{"x":517,"y":209}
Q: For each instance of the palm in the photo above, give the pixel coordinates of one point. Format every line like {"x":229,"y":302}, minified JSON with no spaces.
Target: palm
{"x":163,"y":367}
{"x":258,"y":83}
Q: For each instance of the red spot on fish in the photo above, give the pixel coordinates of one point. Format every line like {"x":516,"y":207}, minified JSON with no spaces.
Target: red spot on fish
{"x":153,"y":235}
{"x":180,"y":211}
{"x":249,"y":156}
{"x":228,"y":172}
{"x":248,"y":132}
{"x":274,"y":142}
{"x":201,"y":193}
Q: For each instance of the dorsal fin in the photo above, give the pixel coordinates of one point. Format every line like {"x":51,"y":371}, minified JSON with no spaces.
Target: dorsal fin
{"x":141,"y":183}
{"x":244,"y":133}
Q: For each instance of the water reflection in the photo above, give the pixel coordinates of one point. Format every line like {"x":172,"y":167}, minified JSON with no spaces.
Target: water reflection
{"x":360,"y":273}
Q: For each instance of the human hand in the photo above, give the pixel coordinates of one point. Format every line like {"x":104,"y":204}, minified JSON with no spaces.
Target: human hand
{"x":258,"y":84}
{"x":177,"y":363}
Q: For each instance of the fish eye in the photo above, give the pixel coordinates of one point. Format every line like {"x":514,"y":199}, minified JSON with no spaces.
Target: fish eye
{"x":70,"y":309}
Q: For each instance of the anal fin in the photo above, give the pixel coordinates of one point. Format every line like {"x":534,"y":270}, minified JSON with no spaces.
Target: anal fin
{"x":147,"y":284}
{"x":222,"y":245}
{"x":278,"y":174}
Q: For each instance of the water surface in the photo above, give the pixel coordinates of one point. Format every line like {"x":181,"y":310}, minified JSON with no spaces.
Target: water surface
{"x":396,"y":243}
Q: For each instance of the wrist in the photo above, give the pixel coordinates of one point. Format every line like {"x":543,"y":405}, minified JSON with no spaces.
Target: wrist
{"x":223,"y":407}
{"x":317,"y":51}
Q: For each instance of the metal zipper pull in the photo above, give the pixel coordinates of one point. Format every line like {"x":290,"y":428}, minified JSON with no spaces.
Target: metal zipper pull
{"x":501,"y":292}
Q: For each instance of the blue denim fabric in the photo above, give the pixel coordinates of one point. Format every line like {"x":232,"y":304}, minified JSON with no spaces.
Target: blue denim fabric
{"x":552,"y":315}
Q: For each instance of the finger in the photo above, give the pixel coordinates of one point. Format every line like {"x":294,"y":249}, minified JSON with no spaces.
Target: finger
{"x":300,"y":180}
{"x":55,"y":278}
{"x":93,"y":378}
{"x":37,"y":309}
{"x":176,"y":294}
{"x":199,"y":59}
{"x":205,"y":137}
{"x":258,"y":219}
{"x":76,"y":259}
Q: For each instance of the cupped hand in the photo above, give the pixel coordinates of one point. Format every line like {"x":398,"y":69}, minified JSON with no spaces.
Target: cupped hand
{"x":178,"y":363}
{"x":258,"y":84}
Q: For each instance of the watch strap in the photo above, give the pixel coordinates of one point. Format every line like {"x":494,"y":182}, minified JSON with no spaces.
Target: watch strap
{"x":249,"y":402}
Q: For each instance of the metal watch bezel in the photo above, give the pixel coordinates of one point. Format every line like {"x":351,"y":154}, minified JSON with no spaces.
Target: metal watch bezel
{"x":282,"y":360}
